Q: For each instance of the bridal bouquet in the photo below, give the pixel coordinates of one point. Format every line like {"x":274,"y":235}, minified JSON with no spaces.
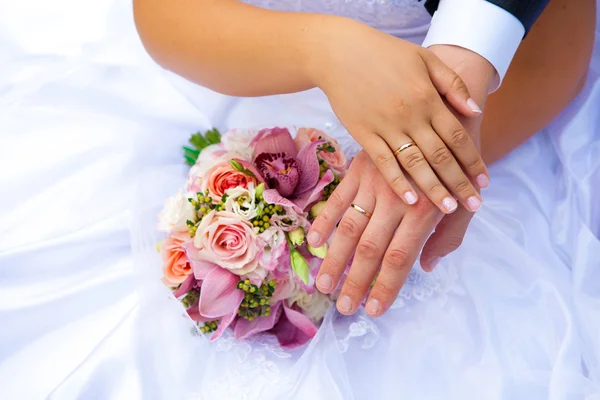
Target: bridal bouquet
{"x":235,"y":253}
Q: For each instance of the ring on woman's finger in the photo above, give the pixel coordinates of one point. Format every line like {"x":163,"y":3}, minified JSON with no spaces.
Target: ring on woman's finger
{"x":404,"y":147}
{"x":361,"y":210}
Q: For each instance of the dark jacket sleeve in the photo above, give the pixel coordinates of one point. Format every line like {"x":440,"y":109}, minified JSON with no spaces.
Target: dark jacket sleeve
{"x":526,"y":11}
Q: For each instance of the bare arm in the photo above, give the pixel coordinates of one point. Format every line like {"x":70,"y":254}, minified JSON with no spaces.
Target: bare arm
{"x":547,"y":73}
{"x":231,"y":47}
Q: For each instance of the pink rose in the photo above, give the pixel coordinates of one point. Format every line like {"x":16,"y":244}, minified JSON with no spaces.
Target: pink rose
{"x":335,"y":159}
{"x":224,"y":239}
{"x":221,"y":177}
{"x":176,"y":266}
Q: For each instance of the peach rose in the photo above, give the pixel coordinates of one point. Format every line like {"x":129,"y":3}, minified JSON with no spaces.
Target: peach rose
{"x":176,"y":266}
{"x":336,"y":159}
{"x":221,"y":177}
{"x":224,"y":239}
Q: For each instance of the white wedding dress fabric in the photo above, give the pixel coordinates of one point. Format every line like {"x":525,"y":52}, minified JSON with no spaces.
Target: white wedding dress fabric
{"x":90,"y":137}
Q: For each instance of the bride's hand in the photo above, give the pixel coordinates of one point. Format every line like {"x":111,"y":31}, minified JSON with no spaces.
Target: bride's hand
{"x":386,"y":92}
{"x":391,"y":238}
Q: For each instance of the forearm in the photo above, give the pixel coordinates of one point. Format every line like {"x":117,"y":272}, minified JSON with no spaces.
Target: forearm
{"x":231,"y":47}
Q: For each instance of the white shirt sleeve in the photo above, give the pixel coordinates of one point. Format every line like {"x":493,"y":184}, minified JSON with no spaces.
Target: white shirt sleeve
{"x":480,"y":26}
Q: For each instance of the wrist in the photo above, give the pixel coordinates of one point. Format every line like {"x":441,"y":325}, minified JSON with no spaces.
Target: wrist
{"x":478,"y":73}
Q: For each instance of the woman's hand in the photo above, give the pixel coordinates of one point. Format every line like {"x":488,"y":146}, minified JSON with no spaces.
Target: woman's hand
{"x":386,"y":92}
{"x":385,"y":245}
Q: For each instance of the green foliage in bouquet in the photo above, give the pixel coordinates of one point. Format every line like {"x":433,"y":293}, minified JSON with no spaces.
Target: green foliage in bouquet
{"x":200,"y":141}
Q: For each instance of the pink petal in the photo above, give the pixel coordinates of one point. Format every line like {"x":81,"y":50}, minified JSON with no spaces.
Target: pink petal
{"x":272,"y":196}
{"x":223,"y":324}
{"x":309,"y":197}
{"x":195,"y":315}
{"x":250,"y":167}
{"x":244,"y":328}
{"x":200,"y":267}
{"x":309,"y":165}
{"x":219,"y":295}
{"x":185,"y":286}
{"x":294,"y":329}
{"x":274,"y":140}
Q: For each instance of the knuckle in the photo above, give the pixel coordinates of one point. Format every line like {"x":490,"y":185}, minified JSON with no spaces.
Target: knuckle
{"x":385,"y":160}
{"x":453,"y":243}
{"x":336,"y":201}
{"x":385,"y":291}
{"x":459,"y":137}
{"x":477,"y":164}
{"x":436,"y":188}
{"x":367,"y":249}
{"x":457,"y":84}
{"x":398,"y":182}
{"x":348,"y":228}
{"x":396,"y":259}
{"x":441,"y":156}
{"x":414,"y":160}
{"x":352,"y":285}
{"x":463,"y":187}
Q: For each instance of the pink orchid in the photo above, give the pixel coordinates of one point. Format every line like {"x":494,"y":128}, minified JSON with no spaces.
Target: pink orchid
{"x":292,"y":176}
{"x":219,"y":296}
{"x":292,"y":328}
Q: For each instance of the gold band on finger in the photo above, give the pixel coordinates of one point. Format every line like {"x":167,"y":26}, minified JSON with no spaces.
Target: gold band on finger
{"x":361,"y":210}
{"x":404,"y":147}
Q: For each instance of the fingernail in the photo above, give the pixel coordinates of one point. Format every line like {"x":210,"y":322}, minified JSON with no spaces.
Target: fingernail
{"x":372,"y":307}
{"x":344,"y":304}
{"x":449,"y":204}
{"x":324,"y":282}
{"x":473,"y":106}
{"x":313,"y":238}
{"x":433,"y":263}
{"x":474,"y":203}
{"x":483,"y":181}
{"x":410,"y":197}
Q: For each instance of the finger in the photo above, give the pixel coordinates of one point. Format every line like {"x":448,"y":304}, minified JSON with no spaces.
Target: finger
{"x":450,"y":85}
{"x":448,"y":236}
{"x":399,"y":259}
{"x":344,"y":242}
{"x":414,"y":162}
{"x":447,"y":168}
{"x":335,"y":207}
{"x":461,"y":144}
{"x":368,"y":256}
{"x":386,"y":163}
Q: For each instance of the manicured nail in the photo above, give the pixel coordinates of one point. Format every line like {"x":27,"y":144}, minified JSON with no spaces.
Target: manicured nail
{"x":483,"y":181}
{"x":449,"y":204}
{"x":324,"y":282}
{"x":372,"y":307}
{"x":344,"y":304}
{"x":473,"y":106}
{"x":433,"y":263}
{"x":410,"y":197}
{"x":313,"y":238}
{"x":474,"y":203}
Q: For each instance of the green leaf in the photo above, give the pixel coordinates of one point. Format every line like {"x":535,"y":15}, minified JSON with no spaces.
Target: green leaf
{"x":199,"y":141}
{"x":190,"y":160}
{"x":236,"y":165}
{"x":213,"y":136}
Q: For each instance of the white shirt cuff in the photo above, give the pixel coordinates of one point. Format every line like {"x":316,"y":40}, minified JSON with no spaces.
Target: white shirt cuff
{"x":480,"y":26}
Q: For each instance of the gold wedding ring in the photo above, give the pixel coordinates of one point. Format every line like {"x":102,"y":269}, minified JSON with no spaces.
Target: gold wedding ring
{"x":361,"y":210}
{"x":404,"y":147}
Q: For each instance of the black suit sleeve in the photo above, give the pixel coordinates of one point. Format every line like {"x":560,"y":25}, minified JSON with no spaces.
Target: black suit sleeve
{"x":526,"y":11}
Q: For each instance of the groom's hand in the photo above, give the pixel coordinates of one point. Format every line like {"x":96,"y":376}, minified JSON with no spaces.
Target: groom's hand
{"x":478,"y":74}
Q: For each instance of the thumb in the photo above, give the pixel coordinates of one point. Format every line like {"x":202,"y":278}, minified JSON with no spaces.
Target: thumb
{"x":450,"y":85}
{"x":448,"y":236}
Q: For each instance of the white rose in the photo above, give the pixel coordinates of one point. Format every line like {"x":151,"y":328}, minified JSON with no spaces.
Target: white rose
{"x":175,"y":213}
{"x":238,"y":141}
{"x":315,"y":305}
{"x":242,"y":202}
{"x":275,"y":244}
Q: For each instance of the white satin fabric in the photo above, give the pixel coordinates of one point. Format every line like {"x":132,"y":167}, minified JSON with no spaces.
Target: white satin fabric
{"x":90,"y":142}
